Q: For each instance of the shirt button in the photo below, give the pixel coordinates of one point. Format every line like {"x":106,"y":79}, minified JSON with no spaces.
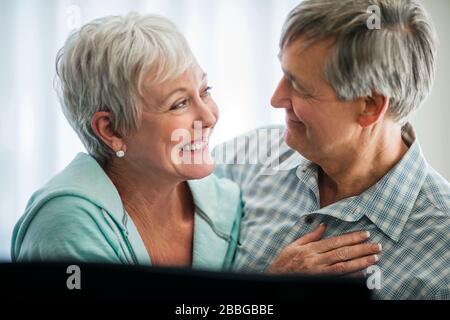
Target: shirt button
{"x":309,"y":219}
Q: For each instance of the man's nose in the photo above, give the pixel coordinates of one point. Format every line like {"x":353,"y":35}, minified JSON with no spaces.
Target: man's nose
{"x":281,"y":96}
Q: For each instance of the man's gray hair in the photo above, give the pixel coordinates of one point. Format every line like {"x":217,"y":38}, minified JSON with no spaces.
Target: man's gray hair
{"x":397,"y":60}
{"x":102,"y":67}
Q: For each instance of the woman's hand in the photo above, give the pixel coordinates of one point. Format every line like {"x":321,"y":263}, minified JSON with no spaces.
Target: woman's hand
{"x":338,"y":255}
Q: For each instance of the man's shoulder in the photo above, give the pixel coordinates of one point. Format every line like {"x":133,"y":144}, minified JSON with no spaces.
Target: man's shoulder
{"x":436,"y":189}
{"x":260,"y":147}
{"x":259,"y":152}
{"x":253,"y":147}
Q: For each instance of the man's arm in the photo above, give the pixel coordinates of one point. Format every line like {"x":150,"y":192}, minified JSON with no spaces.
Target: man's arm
{"x":340,"y":255}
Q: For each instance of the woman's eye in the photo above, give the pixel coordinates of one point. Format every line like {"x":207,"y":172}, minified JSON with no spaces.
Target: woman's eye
{"x":206,"y":92}
{"x":179,"y":105}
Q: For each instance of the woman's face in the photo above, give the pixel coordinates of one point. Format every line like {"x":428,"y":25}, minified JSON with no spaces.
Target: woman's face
{"x":177,"y":120}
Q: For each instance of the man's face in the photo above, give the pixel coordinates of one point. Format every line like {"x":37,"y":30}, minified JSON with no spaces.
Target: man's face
{"x":318,"y":125}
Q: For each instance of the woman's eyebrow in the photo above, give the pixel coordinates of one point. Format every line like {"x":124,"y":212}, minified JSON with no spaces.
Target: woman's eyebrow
{"x":204,"y":77}
{"x":167,"y":97}
{"x":182,"y":89}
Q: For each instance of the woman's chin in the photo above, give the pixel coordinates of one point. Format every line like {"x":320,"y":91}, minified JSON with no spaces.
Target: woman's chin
{"x":196,"y":171}
{"x":197,"y":165}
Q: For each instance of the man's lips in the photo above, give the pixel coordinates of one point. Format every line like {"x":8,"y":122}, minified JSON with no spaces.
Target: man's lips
{"x":289,"y":118}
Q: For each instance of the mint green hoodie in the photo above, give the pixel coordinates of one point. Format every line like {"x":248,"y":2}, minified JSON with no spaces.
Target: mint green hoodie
{"x":79,"y":216}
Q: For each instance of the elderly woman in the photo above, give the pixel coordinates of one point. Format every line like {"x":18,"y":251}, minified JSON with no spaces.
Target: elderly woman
{"x":134,"y":94}
{"x":141,"y":104}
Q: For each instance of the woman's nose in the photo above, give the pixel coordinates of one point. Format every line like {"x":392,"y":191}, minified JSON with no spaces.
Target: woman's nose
{"x":207,"y":114}
{"x":281,"y":97}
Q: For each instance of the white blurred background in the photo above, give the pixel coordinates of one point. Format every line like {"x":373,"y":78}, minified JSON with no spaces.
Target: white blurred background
{"x":236,"y":42}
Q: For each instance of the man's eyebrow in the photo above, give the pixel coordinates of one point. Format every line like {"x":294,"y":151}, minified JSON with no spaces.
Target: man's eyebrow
{"x":295,"y":82}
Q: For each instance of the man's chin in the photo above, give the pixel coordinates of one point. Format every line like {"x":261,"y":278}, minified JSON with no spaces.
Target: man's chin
{"x":289,"y":137}
{"x":293,"y":141}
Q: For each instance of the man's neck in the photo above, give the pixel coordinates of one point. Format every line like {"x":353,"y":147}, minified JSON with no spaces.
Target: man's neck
{"x":357,"y":171}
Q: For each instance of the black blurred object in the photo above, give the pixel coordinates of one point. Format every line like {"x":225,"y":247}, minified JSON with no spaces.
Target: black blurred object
{"x":44,"y":281}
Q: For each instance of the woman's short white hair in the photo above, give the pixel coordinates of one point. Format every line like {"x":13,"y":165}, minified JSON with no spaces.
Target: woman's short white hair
{"x":101,"y":67}
{"x":396,"y":60}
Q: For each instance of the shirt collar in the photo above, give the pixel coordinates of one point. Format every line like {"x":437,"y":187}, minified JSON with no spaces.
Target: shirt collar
{"x":397,"y":191}
{"x":390,"y":201}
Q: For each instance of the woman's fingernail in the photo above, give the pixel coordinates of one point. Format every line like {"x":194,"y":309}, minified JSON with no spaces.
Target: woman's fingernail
{"x":367,"y":234}
{"x":380,"y":247}
{"x":376,"y":258}
{"x":322,"y":224}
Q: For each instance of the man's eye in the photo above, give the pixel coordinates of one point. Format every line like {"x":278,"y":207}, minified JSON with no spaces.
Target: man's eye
{"x":299,"y":91}
{"x":305,"y":95}
{"x":206,"y":92}
{"x":179,"y":105}
{"x":302,"y":93}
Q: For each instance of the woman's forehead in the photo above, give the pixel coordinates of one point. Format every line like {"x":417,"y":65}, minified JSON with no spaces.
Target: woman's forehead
{"x":159,"y":93}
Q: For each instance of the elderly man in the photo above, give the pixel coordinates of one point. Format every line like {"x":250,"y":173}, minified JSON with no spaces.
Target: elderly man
{"x":349,"y":157}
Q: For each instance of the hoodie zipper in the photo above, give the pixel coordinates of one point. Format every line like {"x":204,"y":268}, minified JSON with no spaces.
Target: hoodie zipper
{"x":208,"y":220}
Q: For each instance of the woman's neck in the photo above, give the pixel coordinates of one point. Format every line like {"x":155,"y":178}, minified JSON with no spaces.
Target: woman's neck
{"x":151,"y":196}
{"x":162,"y":210}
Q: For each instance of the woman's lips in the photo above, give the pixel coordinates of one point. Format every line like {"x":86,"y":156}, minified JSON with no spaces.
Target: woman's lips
{"x":195,"y":146}
{"x":201,"y":143}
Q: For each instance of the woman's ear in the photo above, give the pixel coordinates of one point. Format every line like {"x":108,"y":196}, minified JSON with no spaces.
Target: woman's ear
{"x":375,"y":107}
{"x":102,"y":125}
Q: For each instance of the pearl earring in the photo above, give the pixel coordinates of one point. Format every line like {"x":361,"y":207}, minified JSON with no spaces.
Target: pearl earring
{"x":120,"y":154}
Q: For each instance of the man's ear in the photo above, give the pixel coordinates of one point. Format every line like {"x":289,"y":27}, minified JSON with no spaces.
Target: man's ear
{"x":375,"y":107}
{"x":102,"y":125}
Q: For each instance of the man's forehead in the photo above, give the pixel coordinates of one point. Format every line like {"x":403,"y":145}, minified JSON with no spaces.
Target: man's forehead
{"x":302,"y":47}
{"x":303,"y":57}
{"x":299,"y":44}
{"x":293,"y":64}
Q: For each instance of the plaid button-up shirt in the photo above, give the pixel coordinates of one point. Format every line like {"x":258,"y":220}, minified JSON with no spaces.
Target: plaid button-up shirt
{"x":407,"y":211}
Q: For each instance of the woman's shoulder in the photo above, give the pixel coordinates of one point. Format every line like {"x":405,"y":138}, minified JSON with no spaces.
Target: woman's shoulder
{"x":66,"y":216}
{"x":61,"y":213}
{"x":81,"y":189}
{"x":85,"y":178}
{"x":64,"y":228}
